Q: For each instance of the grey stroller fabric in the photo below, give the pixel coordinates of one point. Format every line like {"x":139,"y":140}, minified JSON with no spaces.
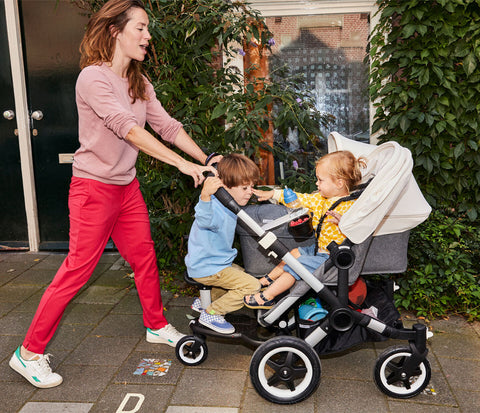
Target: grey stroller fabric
{"x":255,"y":261}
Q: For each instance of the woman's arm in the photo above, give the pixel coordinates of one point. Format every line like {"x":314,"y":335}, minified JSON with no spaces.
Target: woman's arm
{"x":148,"y":144}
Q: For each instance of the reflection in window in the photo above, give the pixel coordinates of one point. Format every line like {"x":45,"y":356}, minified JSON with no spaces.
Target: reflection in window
{"x":329,"y":50}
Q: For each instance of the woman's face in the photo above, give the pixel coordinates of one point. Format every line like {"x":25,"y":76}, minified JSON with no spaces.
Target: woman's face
{"x":132,"y":42}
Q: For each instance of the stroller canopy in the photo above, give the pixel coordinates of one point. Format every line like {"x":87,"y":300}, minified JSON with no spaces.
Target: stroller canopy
{"x":392,"y":202}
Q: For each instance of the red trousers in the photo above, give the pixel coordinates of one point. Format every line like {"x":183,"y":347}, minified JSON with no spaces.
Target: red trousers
{"x":99,"y":211}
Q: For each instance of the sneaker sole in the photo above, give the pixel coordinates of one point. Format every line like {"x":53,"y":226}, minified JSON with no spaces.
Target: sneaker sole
{"x":215,"y":328}
{"x":14,"y":364}
{"x":151,"y":338}
{"x":198,"y":310}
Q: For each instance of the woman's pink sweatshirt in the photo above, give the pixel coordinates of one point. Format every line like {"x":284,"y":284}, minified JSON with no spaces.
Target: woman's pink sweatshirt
{"x":105,"y":116}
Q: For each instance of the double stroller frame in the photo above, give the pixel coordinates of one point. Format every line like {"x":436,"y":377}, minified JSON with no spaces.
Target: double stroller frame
{"x":285,"y":367}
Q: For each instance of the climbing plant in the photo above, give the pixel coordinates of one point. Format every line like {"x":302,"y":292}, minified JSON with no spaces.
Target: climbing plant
{"x":425,"y":85}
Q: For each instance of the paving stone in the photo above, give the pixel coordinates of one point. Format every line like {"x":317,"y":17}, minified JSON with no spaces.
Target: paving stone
{"x":152,"y":398}
{"x":102,"y":351}
{"x":340,"y":396}
{"x":129,"y":304}
{"x":50,"y":407}
{"x":51,"y":262}
{"x":30,"y":305}
{"x":5,"y":308}
{"x":217,"y":388}
{"x":121,"y":325}
{"x":447,"y":345}
{"x":468,"y":401}
{"x":412,"y":406}
{"x":100,"y":295}
{"x":14,"y":395}
{"x":17,"y":293}
{"x":461,"y":374}
{"x":15,"y":323}
{"x":69,"y":336}
{"x":118,"y":279}
{"x":356,"y":364}
{"x":35,"y":277}
{"x":85,"y":313}
{"x":254,"y":403}
{"x":190,"y":409}
{"x":81,"y":384}
{"x":453,"y":324}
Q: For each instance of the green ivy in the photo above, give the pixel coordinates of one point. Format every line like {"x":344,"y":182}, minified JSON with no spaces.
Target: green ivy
{"x":425,"y":82}
{"x":443,"y":275}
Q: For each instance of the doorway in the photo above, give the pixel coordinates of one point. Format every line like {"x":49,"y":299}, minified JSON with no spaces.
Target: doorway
{"x":51,"y":31}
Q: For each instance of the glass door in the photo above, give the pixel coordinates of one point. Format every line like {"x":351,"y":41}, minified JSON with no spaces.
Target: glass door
{"x":52,"y":31}
{"x":13,"y":221}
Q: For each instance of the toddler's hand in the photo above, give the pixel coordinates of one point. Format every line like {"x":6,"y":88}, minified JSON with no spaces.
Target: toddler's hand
{"x":263,"y":195}
{"x":334,"y":217}
{"x":210,"y":186}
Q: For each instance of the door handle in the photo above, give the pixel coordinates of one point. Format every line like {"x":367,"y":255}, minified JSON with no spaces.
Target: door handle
{"x":37,"y":115}
{"x":9,"y":114}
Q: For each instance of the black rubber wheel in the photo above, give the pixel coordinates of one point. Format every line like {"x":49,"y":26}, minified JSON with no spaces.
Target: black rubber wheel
{"x":285,"y":370}
{"x":191,"y":350}
{"x":389,"y":378}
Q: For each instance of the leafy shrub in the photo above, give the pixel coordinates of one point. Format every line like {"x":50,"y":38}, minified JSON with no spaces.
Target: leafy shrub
{"x":425,"y":84}
{"x":444,"y":273}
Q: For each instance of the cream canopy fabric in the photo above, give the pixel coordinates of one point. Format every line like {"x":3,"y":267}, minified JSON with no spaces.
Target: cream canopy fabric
{"x":392,"y":202}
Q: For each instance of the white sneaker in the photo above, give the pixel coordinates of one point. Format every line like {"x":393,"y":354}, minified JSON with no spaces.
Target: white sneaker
{"x":166,"y":335}
{"x":37,"y":372}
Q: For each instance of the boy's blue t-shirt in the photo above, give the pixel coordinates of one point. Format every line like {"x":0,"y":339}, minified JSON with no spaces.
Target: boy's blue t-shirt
{"x":210,"y":243}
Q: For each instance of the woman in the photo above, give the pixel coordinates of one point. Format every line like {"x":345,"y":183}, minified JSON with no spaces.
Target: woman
{"x":114,"y":101}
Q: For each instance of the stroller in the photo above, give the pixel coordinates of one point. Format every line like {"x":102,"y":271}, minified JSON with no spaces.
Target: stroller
{"x":285,"y":367}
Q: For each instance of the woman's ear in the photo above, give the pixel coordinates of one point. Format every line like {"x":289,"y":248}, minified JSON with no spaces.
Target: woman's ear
{"x":113,"y":31}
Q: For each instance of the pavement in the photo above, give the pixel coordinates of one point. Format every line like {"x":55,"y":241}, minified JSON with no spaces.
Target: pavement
{"x":100,"y":347}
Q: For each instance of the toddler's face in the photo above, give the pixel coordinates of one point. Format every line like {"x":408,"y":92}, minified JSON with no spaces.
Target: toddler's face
{"x":241,"y":194}
{"x":327,"y":185}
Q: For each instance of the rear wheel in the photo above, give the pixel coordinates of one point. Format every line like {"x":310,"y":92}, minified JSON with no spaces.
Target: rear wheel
{"x":285,"y":370}
{"x":393,"y":381}
{"x":191,"y":350}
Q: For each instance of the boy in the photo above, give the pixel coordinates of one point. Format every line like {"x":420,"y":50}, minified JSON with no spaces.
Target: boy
{"x":210,"y":243}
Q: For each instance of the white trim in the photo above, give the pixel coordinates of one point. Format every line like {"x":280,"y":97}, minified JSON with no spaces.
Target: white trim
{"x":306,"y":7}
{"x":278,"y":8}
{"x":23,"y":121}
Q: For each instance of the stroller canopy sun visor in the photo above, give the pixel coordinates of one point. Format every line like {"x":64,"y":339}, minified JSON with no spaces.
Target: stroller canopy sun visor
{"x":392,"y":202}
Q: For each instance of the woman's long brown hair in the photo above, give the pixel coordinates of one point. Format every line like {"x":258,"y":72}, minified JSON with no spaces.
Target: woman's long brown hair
{"x":98,"y":44}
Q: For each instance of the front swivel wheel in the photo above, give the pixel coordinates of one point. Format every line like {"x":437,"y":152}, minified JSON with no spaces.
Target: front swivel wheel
{"x":391,"y":378}
{"x":191,"y":350}
{"x":285,"y":370}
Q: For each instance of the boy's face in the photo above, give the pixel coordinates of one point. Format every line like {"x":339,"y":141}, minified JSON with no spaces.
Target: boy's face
{"x":241,"y":194}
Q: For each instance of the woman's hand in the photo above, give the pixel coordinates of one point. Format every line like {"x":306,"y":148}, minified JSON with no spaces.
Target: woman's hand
{"x":196,"y":171}
{"x":263,"y":195}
